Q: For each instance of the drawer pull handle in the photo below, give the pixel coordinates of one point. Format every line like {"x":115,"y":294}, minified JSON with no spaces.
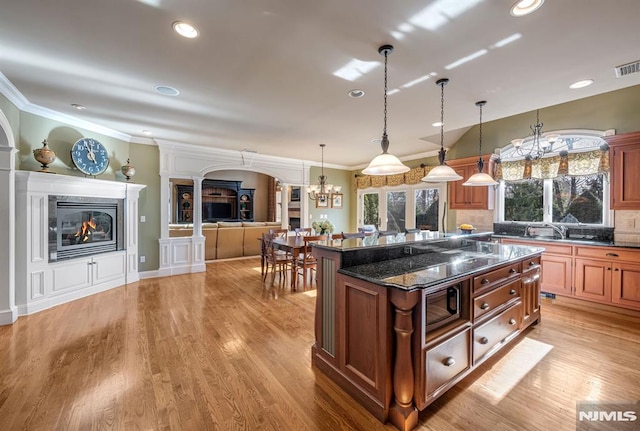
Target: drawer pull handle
{"x":611,"y":255}
{"x":512,"y":292}
{"x":484,"y":281}
{"x":616,"y":269}
{"x":449,"y":361}
{"x":531,"y":263}
{"x":484,"y":340}
{"x":608,"y":269}
{"x":484,"y":306}
{"x":512,"y":321}
{"x":512,"y":271}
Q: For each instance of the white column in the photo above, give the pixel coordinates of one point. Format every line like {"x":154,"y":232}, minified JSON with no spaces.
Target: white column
{"x":8,"y":310}
{"x":165,"y":206}
{"x":284,"y":216}
{"x":197,"y":206}
{"x":132,"y":194}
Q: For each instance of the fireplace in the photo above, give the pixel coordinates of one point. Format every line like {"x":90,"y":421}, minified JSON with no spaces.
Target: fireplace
{"x":81,"y":226}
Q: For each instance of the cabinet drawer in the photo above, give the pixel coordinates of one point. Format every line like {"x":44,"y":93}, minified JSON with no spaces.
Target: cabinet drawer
{"x":495,"y":277}
{"x":487,"y":338}
{"x":531,"y":263}
{"x":494,"y":299}
{"x":447,"y":360}
{"x":609,"y":253}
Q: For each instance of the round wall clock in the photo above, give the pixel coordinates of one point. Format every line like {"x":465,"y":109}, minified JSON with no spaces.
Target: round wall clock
{"x":90,"y":156}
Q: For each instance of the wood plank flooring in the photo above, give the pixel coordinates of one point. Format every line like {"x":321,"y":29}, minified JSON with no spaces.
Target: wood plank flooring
{"x":223,"y":351}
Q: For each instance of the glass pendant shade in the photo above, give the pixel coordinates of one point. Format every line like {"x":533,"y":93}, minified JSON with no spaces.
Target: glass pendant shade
{"x":441,"y":173}
{"x":480,"y":179}
{"x":385,"y":164}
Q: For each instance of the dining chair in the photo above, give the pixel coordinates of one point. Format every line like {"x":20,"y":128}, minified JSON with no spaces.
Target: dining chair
{"x":387,"y":233}
{"x":346,"y":235}
{"x":416,"y":230}
{"x":279,"y":233}
{"x":276,"y":261}
{"x":306,"y":262}
{"x":300,"y":231}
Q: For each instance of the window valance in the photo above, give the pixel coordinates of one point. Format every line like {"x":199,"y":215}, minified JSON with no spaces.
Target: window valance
{"x":571,"y":164}
{"x":414,"y":176}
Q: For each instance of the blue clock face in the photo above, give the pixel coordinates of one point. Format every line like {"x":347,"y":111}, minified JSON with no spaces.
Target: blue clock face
{"x":90,"y":156}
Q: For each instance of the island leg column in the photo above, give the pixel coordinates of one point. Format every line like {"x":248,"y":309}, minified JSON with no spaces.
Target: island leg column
{"x":403,"y":412}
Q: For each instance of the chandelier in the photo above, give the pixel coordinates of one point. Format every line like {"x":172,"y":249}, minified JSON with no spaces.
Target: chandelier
{"x":322,"y":188}
{"x":537,"y":145}
{"x":385,"y":163}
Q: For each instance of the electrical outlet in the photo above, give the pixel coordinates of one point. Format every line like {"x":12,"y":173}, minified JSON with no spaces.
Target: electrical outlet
{"x":142,"y":259}
{"x":143,"y":219}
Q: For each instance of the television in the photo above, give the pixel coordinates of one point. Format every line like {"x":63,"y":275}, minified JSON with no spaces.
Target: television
{"x":212,"y":211}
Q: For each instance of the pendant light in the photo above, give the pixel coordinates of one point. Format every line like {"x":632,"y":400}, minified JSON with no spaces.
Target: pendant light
{"x":385,"y":163}
{"x":443,"y":172}
{"x":480,"y":178}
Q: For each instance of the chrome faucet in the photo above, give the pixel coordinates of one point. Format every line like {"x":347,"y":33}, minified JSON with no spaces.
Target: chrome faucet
{"x":561,"y":230}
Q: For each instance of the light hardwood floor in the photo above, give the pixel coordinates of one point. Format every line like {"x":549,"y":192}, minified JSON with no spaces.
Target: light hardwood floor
{"x":220,"y":350}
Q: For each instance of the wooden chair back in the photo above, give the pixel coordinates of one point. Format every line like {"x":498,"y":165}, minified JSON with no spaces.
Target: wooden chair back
{"x":306,"y":231}
{"x":279,"y":233}
{"x":307,"y":244}
{"x":347,"y":235}
{"x":387,"y":233}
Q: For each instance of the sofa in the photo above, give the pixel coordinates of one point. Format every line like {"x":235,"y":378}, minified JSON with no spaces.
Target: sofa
{"x":224,"y":240}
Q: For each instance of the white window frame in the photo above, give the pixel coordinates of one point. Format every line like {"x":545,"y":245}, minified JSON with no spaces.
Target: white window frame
{"x":547,"y":201}
{"x":410,"y":208}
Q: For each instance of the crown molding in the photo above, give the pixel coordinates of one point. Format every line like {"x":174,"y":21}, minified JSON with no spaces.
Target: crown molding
{"x":22,"y":103}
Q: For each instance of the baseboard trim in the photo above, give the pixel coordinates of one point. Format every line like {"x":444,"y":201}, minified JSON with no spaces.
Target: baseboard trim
{"x":8,"y":316}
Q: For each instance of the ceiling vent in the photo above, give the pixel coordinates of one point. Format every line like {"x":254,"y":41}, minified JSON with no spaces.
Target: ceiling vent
{"x":627,"y":69}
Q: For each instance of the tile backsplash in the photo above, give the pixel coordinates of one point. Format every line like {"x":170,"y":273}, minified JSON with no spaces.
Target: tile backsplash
{"x":627,"y":223}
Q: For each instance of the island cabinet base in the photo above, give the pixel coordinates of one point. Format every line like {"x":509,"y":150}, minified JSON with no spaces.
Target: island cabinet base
{"x":374,"y":342}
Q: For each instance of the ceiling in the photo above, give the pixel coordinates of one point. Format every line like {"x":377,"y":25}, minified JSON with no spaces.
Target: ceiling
{"x":260,"y":76}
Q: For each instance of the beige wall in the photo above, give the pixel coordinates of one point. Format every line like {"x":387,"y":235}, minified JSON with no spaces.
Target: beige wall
{"x":341,"y":218}
{"x":250,"y":180}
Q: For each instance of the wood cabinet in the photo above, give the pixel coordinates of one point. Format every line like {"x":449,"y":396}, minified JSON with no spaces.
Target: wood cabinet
{"x":556,"y":263}
{"x":221,"y":201}
{"x":465,"y":197}
{"x":625,"y":175}
{"x":608,"y":275}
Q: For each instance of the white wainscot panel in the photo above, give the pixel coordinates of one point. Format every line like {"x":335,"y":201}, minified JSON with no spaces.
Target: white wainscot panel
{"x":71,"y":275}
{"x":181,"y":252}
{"x":37,"y":284}
{"x":108,"y":267}
{"x":39,"y":222}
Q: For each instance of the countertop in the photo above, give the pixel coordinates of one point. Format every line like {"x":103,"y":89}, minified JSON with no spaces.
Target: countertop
{"x":573,"y":241}
{"x":432,"y":263}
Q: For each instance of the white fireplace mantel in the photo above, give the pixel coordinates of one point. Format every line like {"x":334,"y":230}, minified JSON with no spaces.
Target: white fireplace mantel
{"x":41,"y":284}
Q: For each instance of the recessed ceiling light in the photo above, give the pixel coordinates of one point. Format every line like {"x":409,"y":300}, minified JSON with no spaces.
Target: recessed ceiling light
{"x":581,"y":84}
{"x":185,"y":30}
{"x":146,"y":132}
{"x":437,"y":124}
{"x":166,"y":90}
{"x":78,"y":107}
{"x":525,"y":7}
{"x":356,"y":94}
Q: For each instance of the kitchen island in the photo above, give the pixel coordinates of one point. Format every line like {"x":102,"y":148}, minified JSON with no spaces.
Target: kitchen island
{"x":400,"y":320}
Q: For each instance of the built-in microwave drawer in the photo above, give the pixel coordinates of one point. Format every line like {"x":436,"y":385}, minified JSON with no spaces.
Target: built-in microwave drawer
{"x":495,"y":299}
{"x":488,"y":337}
{"x":447,"y":360}
{"x":495,"y":277}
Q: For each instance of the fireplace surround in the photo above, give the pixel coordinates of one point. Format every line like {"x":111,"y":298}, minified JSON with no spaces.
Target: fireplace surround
{"x":75,"y":237}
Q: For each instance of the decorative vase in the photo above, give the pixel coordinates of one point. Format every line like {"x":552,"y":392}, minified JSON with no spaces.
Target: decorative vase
{"x":128,"y":170}
{"x":45,"y":156}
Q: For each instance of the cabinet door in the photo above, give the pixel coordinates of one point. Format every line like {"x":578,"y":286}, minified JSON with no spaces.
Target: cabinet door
{"x":530,"y":297}
{"x":457,"y":192}
{"x":593,"y":279}
{"x":556,"y":274}
{"x":465,"y":197}
{"x":71,"y":275}
{"x":108,"y":267}
{"x":625,"y":285}
{"x":625,"y":175}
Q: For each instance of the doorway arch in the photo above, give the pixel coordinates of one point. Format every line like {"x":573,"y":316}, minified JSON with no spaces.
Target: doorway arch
{"x":8,"y":311}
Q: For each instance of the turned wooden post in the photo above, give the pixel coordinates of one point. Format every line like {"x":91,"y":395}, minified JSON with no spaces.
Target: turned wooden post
{"x":403,"y":412}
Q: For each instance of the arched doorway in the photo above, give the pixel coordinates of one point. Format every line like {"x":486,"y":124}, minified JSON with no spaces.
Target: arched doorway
{"x":8,"y":312}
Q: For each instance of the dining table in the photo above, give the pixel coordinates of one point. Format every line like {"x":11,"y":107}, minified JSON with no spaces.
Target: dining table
{"x":295,"y":246}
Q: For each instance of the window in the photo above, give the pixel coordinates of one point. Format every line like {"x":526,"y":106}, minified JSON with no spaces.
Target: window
{"x":578,"y":195}
{"x":402,"y":207}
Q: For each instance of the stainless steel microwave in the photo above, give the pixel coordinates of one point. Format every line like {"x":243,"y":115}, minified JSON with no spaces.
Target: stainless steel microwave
{"x":443,"y":307}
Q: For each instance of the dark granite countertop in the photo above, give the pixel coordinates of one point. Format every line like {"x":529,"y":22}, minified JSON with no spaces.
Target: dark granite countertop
{"x":431,"y":263}
{"x":573,"y":241}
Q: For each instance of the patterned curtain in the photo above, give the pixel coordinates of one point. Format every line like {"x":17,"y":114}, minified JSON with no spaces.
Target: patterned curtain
{"x":587,"y":163}
{"x":414,"y":176}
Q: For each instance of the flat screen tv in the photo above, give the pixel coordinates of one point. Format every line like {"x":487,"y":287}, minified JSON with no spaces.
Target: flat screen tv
{"x":217,"y":211}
